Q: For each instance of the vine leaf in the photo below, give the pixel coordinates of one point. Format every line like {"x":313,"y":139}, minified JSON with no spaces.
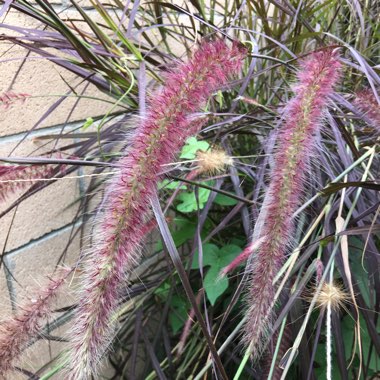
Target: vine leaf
{"x":192,"y":146}
{"x":216,"y":258}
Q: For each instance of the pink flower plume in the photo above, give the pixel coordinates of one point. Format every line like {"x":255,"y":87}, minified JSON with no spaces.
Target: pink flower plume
{"x":8,"y":98}
{"x":16,"y":332}
{"x":156,"y":142}
{"x":17,"y":177}
{"x":366,"y":102}
{"x":302,"y":120}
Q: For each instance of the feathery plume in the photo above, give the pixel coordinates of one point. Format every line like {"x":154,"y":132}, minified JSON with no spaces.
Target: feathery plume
{"x":302,"y":119}
{"x":8,"y":98}
{"x":156,"y":141}
{"x":368,"y":105}
{"x":16,"y":332}
{"x":17,"y":177}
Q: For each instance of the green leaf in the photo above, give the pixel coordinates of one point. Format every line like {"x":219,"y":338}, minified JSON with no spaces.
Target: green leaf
{"x":216,"y":258}
{"x":224,"y":200}
{"x":170,"y":185}
{"x":356,"y":247}
{"x":192,"y":146}
{"x":214,"y":286}
{"x":189,"y":202}
{"x":162,"y":291}
{"x":348,"y":328}
{"x":374,"y":362}
{"x":210,"y":255}
{"x":180,"y":236}
{"x":320,"y":358}
{"x":89,"y":121}
{"x":238,"y":241}
{"x":227,"y":253}
{"x":178,"y":304}
{"x":179,"y":314}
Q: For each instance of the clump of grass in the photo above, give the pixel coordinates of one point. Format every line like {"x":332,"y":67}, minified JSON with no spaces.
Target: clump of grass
{"x":122,"y":55}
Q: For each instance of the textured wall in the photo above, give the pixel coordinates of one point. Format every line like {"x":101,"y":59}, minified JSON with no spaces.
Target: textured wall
{"x":34,"y":235}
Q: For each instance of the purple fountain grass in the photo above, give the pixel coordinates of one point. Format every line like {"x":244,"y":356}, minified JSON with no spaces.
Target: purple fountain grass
{"x":302,"y":119}
{"x":156,"y":142}
{"x":18,"y":330}
{"x":17,"y":177}
{"x":368,"y":105}
{"x":8,"y":98}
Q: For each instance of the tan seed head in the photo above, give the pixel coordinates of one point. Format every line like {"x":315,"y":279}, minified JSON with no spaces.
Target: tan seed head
{"x":333,"y":294}
{"x":213,"y":161}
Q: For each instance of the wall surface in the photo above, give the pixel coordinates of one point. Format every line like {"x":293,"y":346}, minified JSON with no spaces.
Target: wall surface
{"x":34,"y":235}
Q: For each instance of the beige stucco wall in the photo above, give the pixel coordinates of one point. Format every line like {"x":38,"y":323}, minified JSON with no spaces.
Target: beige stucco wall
{"x":34,"y":235}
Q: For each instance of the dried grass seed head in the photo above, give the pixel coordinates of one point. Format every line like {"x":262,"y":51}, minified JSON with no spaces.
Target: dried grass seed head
{"x":213,"y":161}
{"x":332,"y":294}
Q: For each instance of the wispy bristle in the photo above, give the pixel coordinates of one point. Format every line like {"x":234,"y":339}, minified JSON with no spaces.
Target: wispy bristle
{"x":333,"y":295}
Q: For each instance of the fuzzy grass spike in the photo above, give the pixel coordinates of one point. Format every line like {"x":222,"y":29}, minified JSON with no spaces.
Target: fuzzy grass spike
{"x":157,"y":140}
{"x":366,"y":102}
{"x":17,"y":177}
{"x":302,"y":119}
{"x":18,"y":330}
